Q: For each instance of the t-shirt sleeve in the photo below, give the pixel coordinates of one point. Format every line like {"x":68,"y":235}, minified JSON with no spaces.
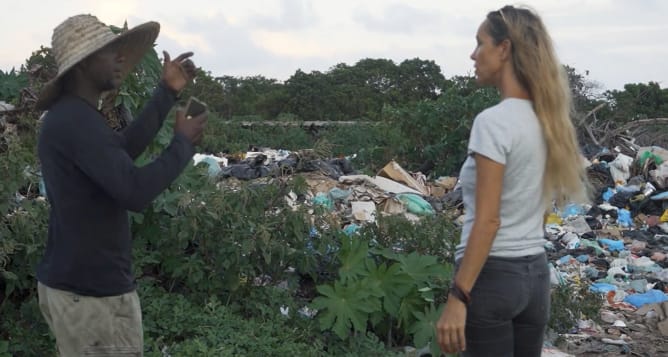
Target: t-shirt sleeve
{"x":491,"y":137}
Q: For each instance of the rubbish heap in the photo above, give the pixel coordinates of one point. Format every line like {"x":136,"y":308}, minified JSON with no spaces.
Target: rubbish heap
{"x":618,"y":245}
{"x":334,"y":184}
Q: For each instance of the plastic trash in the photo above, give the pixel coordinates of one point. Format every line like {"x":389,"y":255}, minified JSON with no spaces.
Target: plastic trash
{"x":584,"y":258}
{"x":591,"y":272}
{"x":612,"y":272}
{"x":549,"y":246}
{"x":620,"y":168}
{"x":621,"y":263}
{"x":652,"y":296}
{"x":608,"y":194}
{"x":585,"y":243}
{"x":213,"y":163}
{"x":322,"y":199}
{"x":624,"y":218}
{"x":602,"y":287}
{"x":571,"y":240}
{"x":572,"y":210}
{"x":640,"y":286}
{"x":553,"y":218}
{"x":612,"y":245}
{"x":643,"y":265}
{"x":648,"y":155}
{"x":350,"y":229}
{"x":662,"y":275}
{"x":564,"y":260}
{"x":660,"y":197}
{"x":555,"y":276}
{"x":628,"y":188}
{"x":339,"y":194}
{"x":416,"y":204}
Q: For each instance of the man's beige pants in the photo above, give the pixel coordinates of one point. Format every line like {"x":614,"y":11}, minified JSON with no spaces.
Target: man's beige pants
{"x":93,"y":326}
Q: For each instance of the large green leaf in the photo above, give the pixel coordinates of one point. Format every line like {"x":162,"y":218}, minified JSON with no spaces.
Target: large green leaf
{"x":345,"y":307}
{"x":424,"y":329}
{"x":352,"y":256}
{"x":422,"y":268}
{"x":391,"y":282}
{"x":408,"y":306}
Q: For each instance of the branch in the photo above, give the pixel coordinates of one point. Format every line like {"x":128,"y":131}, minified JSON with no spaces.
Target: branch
{"x":591,"y":112}
{"x":591,"y":135}
{"x":635,"y":123}
{"x":645,"y":122}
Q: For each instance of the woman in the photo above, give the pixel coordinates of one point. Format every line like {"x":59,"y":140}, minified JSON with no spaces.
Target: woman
{"x":523,"y":156}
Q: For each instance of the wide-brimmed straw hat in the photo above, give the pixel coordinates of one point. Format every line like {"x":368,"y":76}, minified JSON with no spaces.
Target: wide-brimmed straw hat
{"x":80,"y":36}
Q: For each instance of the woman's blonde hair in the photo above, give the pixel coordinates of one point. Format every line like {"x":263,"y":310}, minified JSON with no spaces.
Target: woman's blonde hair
{"x":540,"y":72}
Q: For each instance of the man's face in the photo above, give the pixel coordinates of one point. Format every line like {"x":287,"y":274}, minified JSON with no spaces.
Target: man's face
{"x":104,"y":68}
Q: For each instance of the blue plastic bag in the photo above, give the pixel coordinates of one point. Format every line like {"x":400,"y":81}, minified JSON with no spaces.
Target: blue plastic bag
{"x":350,"y":229}
{"x":572,"y":210}
{"x":322,"y":199}
{"x":660,"y":196}
{"x":564,"y":260}
{"x":653,"y":296}
{"x":602,"y":287}
{"x":213,"y":166}
{"x":608,"y":194}
{"x":612,"y":245}
{"x":624,"y":218}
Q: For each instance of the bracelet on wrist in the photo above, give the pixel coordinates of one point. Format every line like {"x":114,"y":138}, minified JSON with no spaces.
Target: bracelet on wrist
{"x":460,"y":294}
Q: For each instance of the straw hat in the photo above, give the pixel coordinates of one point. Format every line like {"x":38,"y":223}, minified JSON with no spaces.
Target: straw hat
{"x":80,"y":36}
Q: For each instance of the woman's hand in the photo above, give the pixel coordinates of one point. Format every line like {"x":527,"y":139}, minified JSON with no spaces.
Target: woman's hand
{"x":451,"y":326}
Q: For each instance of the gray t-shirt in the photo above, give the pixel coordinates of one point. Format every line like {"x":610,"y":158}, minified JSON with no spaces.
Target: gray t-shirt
{"x":510,"y":134}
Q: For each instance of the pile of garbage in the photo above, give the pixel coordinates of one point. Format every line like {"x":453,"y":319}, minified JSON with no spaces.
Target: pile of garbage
{"x":334,"y":184}
{"x":618,"y":245}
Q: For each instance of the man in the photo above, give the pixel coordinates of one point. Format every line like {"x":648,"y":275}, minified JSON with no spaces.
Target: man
{"x":87,"y":292}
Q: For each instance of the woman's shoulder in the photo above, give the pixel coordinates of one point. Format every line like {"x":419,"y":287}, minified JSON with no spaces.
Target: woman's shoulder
{"x":508,"y":112}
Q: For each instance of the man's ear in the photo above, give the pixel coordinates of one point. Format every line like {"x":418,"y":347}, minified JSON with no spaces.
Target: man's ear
{"x":79,"y":69}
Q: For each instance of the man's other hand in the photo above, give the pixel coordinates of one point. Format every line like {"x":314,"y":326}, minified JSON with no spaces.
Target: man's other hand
{"x":192,"y":128}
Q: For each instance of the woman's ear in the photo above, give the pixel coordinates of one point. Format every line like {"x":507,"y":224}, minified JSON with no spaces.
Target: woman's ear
{"x":506,"y":49}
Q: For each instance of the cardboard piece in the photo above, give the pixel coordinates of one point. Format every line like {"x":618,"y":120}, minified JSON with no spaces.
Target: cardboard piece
{"x":383,"y":183}
{"x":395,"y":172}
{"x":437,"y":191}
{"x":392,"y":206}
{"x":446,"y":182}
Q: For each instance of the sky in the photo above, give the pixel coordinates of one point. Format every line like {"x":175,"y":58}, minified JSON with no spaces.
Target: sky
{"x":614,"y":41}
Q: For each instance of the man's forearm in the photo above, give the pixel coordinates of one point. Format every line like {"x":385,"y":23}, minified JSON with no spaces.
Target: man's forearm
{"x":141,"y":132}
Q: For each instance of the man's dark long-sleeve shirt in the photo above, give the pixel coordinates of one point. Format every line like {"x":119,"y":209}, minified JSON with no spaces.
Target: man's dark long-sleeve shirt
{"x":91,"y":183}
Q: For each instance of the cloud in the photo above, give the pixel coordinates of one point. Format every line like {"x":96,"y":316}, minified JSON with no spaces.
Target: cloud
{"x":293,"y":15}
{"x":616,"y":40}
{"x":399,"y":18}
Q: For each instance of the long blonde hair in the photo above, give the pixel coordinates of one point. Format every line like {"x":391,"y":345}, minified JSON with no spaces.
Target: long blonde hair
{"x":539,"y":71}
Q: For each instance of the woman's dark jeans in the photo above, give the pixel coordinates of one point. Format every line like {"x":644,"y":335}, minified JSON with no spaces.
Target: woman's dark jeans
{"x":510,"y":306}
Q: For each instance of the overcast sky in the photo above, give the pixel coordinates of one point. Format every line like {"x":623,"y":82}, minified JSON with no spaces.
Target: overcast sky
{"x":617,"y":41}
